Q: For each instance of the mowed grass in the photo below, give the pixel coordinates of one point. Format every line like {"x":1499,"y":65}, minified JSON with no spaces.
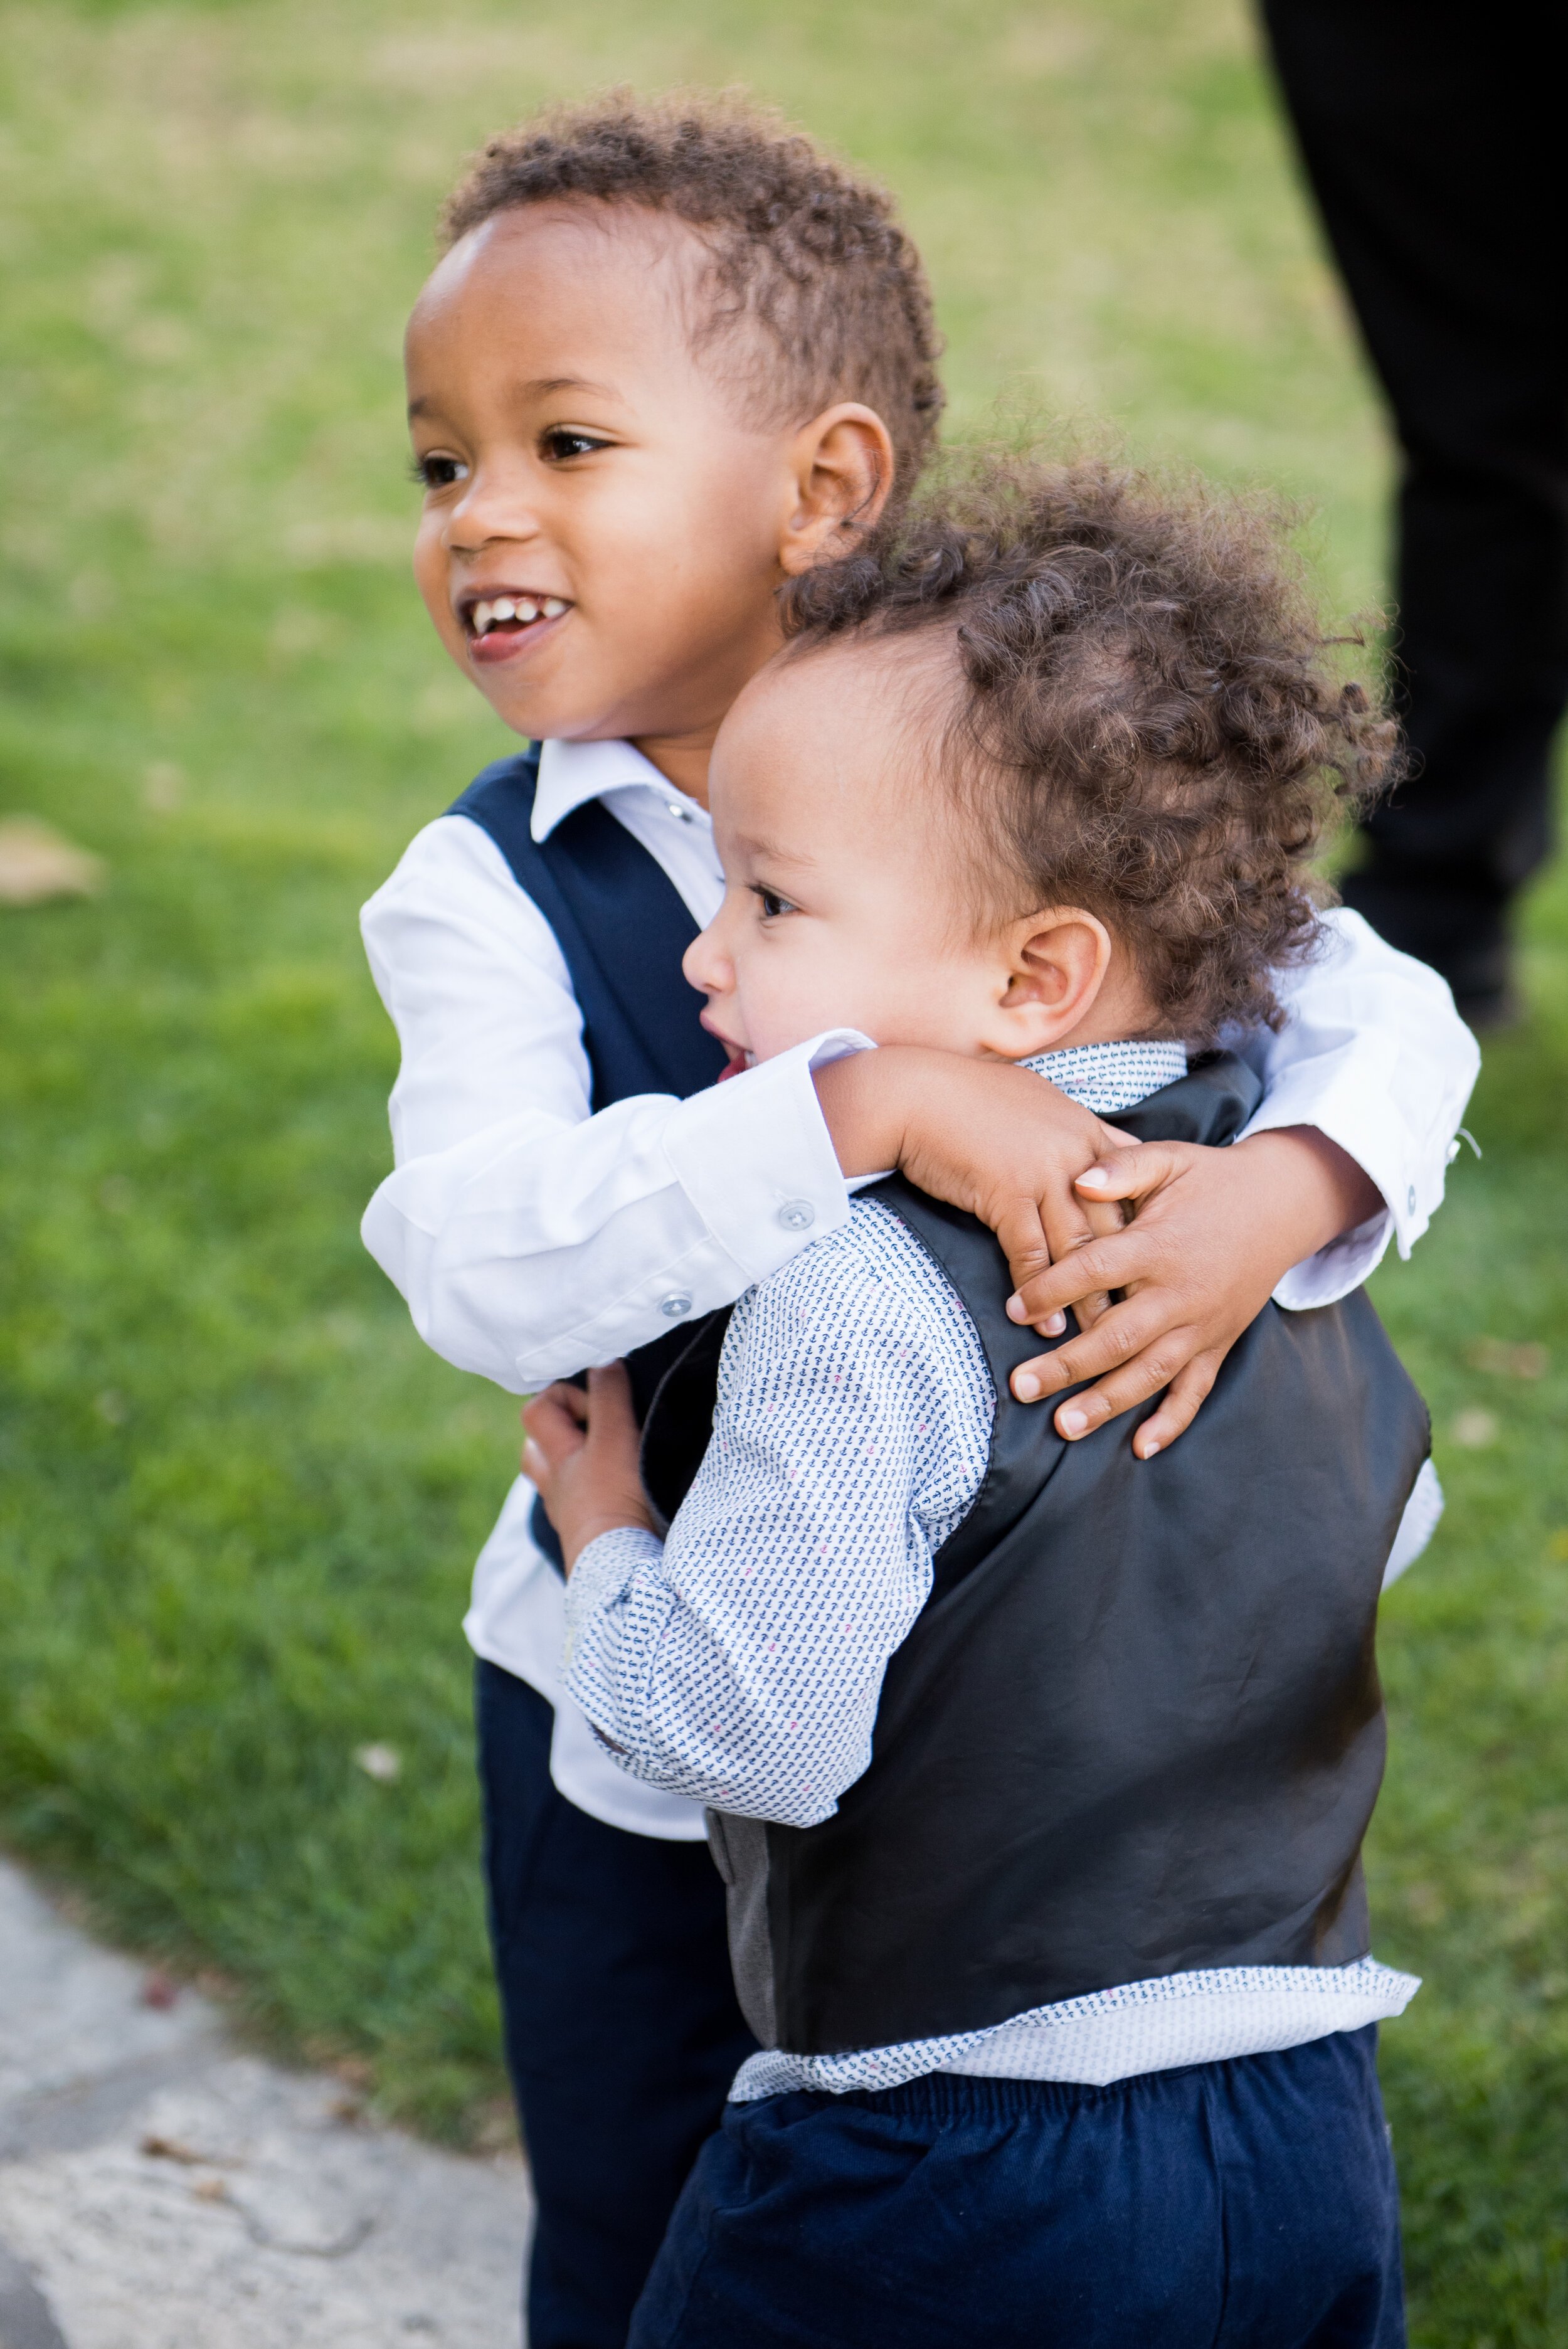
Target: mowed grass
{"x":240,"y":1502}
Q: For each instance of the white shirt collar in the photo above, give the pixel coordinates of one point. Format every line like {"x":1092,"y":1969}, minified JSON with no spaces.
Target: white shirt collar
{"x":1106,"y":1078}
{"x":572,"y":773}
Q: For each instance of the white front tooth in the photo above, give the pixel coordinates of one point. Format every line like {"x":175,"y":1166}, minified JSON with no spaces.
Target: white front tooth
{"x":504,"y":608}
{"x":553,"y":607}
{"x":526,"y":612}
{"x":483,"y":614}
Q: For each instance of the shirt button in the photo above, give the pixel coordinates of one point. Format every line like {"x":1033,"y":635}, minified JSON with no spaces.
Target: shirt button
{"x":1410,"y":1198}
{"x":674,"y":1305}
{"x":797,"y":1215}
{"x":681,"y":814}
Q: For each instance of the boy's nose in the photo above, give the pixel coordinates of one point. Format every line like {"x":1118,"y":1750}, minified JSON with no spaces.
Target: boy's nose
{"x":493,"y":508}
{"x":702,"y":964}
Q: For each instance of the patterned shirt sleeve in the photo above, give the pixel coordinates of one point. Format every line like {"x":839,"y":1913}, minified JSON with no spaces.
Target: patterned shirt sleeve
{"x":740,"y":1662}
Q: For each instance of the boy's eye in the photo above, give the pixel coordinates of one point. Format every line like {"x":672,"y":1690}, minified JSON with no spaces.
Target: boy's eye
{"x":435,"y":471}
{"x":771,"y":903}
{"x":561,"y":443}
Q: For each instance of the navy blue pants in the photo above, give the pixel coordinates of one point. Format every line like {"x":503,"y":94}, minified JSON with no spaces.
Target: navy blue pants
{"x":1245,"y":2205}
{"x":621,"y":2031}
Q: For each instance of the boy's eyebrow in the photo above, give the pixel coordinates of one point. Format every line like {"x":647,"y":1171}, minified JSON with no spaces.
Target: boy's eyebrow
{"x":545,"y":387}
{"x":768,"y":851}
{"x":539,"y":388}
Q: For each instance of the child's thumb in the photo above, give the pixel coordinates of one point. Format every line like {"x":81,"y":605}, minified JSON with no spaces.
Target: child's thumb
{"x":1128,"y":1174}
{"x":610,"y":1397}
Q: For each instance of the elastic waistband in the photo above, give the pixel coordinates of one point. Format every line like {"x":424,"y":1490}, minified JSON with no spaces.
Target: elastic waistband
{"x":952,"y":2097}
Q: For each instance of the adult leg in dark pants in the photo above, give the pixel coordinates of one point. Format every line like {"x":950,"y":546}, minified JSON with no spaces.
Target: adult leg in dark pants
{"x":621,"y":2031}
{"x":1430,"y":138}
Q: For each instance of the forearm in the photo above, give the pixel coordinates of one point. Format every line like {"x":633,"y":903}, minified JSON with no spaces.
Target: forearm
{"x":741,"y":1661}
{"x":864,"y":1105}
{"x":694,"y":1711}
{"x":529,"y":1251}
{"x":906,"y":1106}
{"x":1316,"y":1187}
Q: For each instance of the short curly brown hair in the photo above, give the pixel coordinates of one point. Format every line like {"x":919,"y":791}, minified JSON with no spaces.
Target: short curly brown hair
{"x":813,"y":290}
{"x":1140,"y":720}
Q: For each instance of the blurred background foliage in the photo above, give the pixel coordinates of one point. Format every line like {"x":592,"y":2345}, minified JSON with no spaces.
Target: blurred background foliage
{"x":239,"y":1502}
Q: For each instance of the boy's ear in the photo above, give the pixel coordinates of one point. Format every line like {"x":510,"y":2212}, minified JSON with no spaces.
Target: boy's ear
{"x":1058,"y":962}
{"x":842,"y":464}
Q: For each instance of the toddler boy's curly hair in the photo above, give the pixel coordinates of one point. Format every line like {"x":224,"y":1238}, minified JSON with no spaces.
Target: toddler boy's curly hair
{"x":1135,"y":715}
{"x":813,"y":291}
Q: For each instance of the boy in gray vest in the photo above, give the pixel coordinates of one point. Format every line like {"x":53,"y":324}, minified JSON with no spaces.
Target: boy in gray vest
{"x":1038,"y":1774}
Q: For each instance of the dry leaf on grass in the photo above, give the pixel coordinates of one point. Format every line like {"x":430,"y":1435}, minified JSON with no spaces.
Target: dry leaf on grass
{"x":1508,"y":1361}
{"x":37,"y":863}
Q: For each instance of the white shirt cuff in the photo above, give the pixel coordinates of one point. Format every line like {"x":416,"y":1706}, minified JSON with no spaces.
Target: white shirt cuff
{"x":1299,"y":1097}
{"x":1339,"y":1269}
{"x":755,"y":1157}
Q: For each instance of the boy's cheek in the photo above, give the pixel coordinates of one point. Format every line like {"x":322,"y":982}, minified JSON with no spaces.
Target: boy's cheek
{"x":787,"y":1018}
{"x":431,"y":578}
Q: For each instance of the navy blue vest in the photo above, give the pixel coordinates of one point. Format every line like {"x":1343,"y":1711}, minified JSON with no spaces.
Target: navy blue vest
{"x":623,"y":927}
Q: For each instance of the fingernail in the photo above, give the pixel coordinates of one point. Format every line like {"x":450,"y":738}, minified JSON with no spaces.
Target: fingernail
{"x":1017,"y":1308}
{"x":1149,"y":1450}
{"x":1052,"y":1326}
{"x":1095,"y":1179}
{"x":1072,"y":1423}
{"x":1025,"y":1387}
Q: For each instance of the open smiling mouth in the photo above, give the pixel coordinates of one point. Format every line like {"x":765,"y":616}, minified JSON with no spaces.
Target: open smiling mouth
{"x":498,"y":626}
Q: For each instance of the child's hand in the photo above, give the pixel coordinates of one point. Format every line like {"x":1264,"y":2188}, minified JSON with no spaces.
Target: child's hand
{"x":998,"y":1140}
{"x":581,"y":1453}
{"x":1215,"y":1231}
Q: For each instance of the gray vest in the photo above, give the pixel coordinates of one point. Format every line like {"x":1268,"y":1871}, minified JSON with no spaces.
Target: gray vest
{"x":1137,"y":1728}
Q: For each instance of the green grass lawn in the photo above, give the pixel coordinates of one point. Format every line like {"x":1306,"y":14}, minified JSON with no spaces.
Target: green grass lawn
{"x":239,"y":1502}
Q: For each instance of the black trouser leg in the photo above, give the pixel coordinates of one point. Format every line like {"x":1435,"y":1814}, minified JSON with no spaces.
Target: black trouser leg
{"x":1432,"y":139}
{"x":621,"y":2031}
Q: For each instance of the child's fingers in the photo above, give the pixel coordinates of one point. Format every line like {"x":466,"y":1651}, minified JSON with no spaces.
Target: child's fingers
{"x":1139,"y":1329}
{"x":1130,"y":1174}
{"x":1105,"y":1218}
{"x":567,"y":1396}
{"x":1021,"y":1231}
{"x":1029,"y":1250}
{"x":552,"y":1406}
{"x":1032,"y":1244}
{"x":535,"y":1466}
{"x":1148,"y":1373}
{"x":1188,"y":1391}
{"x":1117,"y":1261}
{"x":610,"y":1410}
{"x":554,"y":1422}
{"x":1066,"y":1221}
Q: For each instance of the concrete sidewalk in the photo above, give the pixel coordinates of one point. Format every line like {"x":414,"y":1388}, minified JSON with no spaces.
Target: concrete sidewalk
{"x":160,"y":2190}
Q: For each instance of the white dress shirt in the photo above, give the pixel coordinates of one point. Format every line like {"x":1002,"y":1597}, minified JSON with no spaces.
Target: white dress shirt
{"x":740,"y":1662}
{"x":531,"y":1238}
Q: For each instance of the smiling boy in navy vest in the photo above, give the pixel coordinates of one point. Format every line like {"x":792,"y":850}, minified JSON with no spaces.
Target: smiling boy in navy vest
{"x":674,"y":357}
{"x":1038,"y":1777}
